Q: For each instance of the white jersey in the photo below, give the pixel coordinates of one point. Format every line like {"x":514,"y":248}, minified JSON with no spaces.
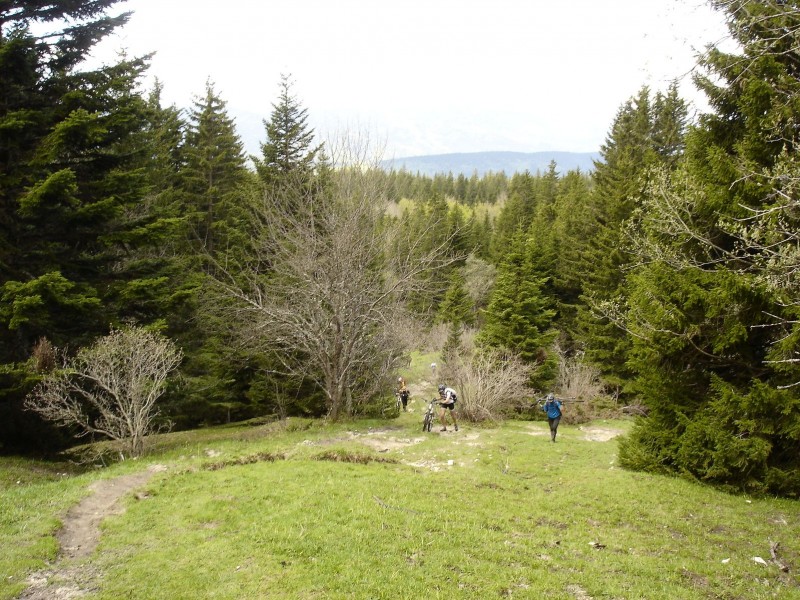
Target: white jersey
{"x":449,"y":395}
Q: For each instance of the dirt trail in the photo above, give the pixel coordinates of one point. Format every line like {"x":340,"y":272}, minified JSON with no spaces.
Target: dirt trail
{"x":421,"y":392}
{"x":79,"y":536}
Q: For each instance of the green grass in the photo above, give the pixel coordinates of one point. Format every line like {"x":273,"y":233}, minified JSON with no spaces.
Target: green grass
{"x":380,"y":510}
{"x":32,"y":498}
{"x":420,"y":369}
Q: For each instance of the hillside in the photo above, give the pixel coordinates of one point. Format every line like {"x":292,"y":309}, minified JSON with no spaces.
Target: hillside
{"x":482,"y":162}
{"x":378,"y":509}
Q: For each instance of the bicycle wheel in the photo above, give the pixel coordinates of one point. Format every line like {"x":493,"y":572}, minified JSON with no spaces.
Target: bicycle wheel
{"x":426,"y":423}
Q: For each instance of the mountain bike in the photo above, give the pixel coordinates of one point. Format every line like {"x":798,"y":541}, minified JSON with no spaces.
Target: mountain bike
{"x":427,"y":421}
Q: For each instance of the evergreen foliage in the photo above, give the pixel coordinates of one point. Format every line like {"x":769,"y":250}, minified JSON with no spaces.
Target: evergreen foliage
{"x":456,"y":306}
{"x":71,"y":173}
{"x":217,"y":196}
{"x":288,"y":154}
{"x":672,"y":265}
{"x":519,"y":317}
{"x":215,"y":176}
{"x":644,"y":135}
{"x":713,"y":323}
{"x":565,"y":241}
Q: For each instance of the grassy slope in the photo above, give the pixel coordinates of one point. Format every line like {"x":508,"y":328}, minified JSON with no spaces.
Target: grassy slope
{"x":513,"y":515}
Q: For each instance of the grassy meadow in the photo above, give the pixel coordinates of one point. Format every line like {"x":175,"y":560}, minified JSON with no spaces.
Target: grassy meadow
{"x":377,"y":509}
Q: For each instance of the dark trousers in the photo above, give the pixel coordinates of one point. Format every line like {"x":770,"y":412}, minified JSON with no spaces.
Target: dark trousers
{"x":553,"y":426}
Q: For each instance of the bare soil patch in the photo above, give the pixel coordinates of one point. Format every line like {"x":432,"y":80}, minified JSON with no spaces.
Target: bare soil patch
{"x":79,"y":536}
{"x":590,"y":434}
{"x":600,"y":434}
{"x":432,"y":465}
{"x":537,"y":429}
{"x":378,"y":440}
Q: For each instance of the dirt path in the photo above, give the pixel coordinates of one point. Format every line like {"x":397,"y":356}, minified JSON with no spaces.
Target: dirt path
{"x":67,"y":578}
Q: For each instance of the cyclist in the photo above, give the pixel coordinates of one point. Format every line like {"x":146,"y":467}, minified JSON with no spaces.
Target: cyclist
{"x":552,"y":407}
{"x":447,"y":402}
{"x":402,"y":391}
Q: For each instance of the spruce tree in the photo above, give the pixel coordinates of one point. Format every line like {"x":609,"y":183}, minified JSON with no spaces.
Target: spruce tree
{"x":218,"y":195}
{"x":640,"y":139}
{"x":456,"y":307}
{"x":215,"y":177}
{"x":519,"y":317}
{"x":712,"y":310}
{"x":566,"y":242}
{"x":517,"y":214}
{"x":71,"y":177}
{"x":288,"y":155}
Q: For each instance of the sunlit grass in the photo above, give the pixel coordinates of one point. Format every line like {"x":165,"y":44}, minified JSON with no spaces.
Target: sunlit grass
{"x":378,"y":509}
{"x":30,"y":509}
{"x":381,"y":510}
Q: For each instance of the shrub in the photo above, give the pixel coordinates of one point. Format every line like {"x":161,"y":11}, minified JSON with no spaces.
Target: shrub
{"x":490,"y":384}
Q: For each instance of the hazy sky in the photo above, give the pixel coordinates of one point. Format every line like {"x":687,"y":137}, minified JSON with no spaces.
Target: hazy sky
{"x":426,"y":76}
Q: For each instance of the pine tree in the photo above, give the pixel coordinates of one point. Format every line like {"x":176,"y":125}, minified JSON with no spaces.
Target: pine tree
{"x":71,"y":177}
{"x":712,"y":309}
{"x":288,"y":154}
{"x":519,"y":317}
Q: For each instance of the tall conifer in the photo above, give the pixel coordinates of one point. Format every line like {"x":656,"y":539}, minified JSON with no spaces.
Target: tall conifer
{"x":288,"y":155}
{"x":71,"y":177}
{"x":713,"y":308}
{"x":641,"y":138}
{"x":215,"y":175}
{"x":519,"y":316}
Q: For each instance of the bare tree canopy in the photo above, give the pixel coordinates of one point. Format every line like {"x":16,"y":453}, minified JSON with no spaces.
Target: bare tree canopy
{"x":324,"y":286}
{"x":111,"y":387}
{"x":491,"y":383}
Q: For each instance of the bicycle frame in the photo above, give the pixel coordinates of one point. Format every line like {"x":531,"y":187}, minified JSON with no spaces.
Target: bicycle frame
{"x":430,"y":413}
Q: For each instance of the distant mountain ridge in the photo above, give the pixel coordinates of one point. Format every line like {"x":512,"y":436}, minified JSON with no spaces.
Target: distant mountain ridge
{"x":467,"y":163}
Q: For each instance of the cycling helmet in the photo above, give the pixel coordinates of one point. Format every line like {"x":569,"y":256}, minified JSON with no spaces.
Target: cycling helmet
{"x":550,"y":397}
{"x":441,"y":388}
{"x":400,"y":379}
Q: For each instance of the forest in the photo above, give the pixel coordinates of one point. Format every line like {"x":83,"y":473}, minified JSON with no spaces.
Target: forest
{"x":297,"y":281}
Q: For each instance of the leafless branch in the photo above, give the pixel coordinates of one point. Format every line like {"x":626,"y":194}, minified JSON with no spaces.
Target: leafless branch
{"x":325,"y":284}
{"x":110,"y":388}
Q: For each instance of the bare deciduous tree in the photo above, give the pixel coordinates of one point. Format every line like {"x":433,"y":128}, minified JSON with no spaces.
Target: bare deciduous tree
{"x":480,"y":276}
{"x":110,"y":388}
{"x":577,"y":379}
{"x":325,"y":285}
{"x":489,"y":383}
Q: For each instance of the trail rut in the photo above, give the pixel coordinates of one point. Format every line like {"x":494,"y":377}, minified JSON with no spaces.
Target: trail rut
{"x":68,"y":577}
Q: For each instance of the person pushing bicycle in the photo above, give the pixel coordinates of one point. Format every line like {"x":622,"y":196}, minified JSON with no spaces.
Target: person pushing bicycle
{"x":402,"y":391}
{"x":447,"y":402}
